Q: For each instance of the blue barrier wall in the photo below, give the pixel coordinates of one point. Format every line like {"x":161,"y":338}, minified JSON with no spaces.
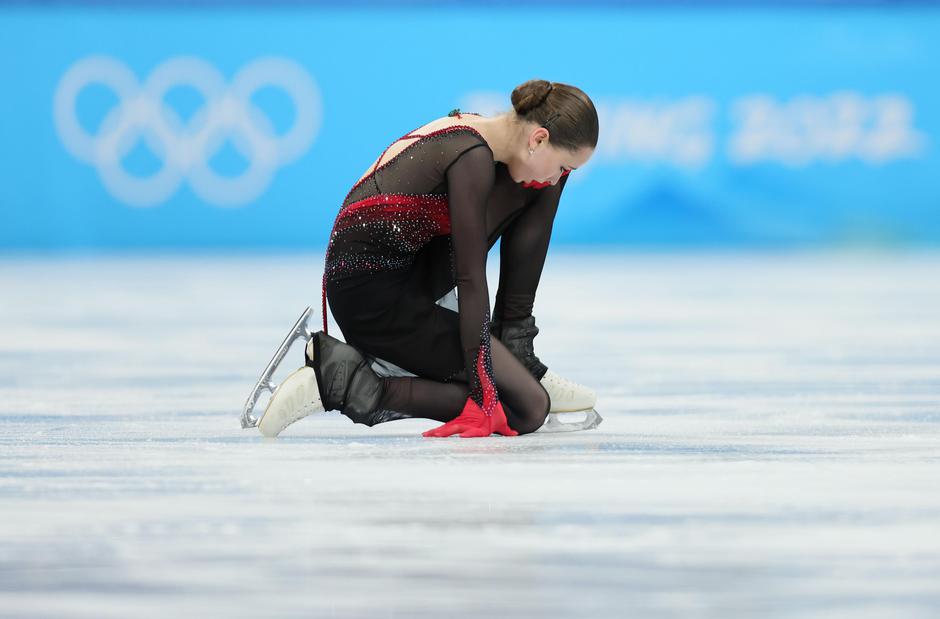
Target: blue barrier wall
{"x":244,"y":127}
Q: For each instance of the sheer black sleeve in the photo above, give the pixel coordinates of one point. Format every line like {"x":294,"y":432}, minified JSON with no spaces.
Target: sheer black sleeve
{"x":470,"y":179}
{"x":523,"y":247}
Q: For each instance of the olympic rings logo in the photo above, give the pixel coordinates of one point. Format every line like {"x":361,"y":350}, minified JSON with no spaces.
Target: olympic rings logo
{"x":186,"y":148}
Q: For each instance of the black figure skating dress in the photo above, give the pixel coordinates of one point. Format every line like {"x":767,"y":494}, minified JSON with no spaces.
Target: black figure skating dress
{"x":414,"y":227}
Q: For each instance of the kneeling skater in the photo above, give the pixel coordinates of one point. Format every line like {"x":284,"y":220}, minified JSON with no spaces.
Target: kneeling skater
{"x":421,"y":222}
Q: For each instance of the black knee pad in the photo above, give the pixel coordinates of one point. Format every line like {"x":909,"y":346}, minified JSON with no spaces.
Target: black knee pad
{"x":517,"y":336}
{"x":346,"y":380}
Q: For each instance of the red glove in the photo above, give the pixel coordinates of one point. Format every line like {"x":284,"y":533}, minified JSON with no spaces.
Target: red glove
{"x":472,"y":421}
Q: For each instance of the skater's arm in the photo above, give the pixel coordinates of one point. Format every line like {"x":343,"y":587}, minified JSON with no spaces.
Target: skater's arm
{"x":469,"y":180}
{"x":523,"y":247}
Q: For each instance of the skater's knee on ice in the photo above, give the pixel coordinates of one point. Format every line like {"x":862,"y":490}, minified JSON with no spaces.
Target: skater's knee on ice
{"x":530,"y":416}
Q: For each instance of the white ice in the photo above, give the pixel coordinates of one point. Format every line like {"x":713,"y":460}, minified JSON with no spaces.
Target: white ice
{"x":770,"y":448}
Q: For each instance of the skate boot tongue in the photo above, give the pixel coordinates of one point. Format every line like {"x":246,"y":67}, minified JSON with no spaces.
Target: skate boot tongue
{"x":309,"y":354}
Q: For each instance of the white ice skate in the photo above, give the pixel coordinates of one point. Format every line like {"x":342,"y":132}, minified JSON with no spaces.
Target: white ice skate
{"x":567,"y":397}
{"x":282,"y":415}
{"x":296,"y":397}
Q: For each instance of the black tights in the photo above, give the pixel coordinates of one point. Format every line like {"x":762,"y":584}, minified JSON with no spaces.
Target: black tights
{"x":524,"y":400}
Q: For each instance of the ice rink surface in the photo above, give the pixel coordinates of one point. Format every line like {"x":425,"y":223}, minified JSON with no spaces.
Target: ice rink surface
{"x":770,"y":448}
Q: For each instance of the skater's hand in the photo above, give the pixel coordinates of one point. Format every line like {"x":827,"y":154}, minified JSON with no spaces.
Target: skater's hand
{"x":472,"y":422}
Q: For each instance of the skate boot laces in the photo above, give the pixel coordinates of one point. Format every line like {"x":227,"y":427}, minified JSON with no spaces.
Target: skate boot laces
{"x":561,"y":385}
{"x":565,"y":388}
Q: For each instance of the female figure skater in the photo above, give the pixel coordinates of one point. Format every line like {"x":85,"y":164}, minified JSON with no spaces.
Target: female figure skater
{"x":421,"y":220}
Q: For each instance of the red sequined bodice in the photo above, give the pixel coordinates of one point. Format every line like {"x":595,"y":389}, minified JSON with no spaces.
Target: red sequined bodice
{"x":381,"y":229}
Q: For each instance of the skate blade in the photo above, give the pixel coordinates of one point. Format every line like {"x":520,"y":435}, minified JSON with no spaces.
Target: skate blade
{"x":553,"y":422}
{"x":300,"y":329}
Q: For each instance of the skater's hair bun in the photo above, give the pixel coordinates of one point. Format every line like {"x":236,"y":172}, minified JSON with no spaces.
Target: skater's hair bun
{"x":565,"y":110}
{"x":528,"y":96}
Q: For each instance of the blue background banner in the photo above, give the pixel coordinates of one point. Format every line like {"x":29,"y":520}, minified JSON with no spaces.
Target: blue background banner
{"x":244,"y":127}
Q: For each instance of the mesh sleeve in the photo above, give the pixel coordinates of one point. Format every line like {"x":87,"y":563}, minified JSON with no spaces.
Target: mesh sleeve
{"x":523,"y":247}
{"x":469,"y":180}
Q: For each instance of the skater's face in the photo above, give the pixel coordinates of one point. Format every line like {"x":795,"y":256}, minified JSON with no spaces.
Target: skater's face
{"x":546,"y":164}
